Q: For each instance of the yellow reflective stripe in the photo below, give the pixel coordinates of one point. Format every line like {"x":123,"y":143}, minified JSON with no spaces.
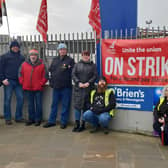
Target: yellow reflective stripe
{"x":160,"y":103}
{"x":112,"y":112}
{"x":107,"y":94}
{"x":92,"y":94}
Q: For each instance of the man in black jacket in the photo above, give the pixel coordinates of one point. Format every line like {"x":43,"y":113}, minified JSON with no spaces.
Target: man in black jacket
{"x":61,"y":82}
{"x":102,"y":103}
{"x":9,"y":67}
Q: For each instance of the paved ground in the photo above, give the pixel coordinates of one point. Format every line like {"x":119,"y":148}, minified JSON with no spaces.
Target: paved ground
{"x":37,"y":147}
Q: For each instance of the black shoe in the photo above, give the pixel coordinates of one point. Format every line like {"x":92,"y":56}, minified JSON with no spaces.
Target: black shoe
{"x":80,"y":129}
{"x":20,"y":121}
{"x":8,"y":122}
{"x":106,"y":130}
{"x":47,"y":125}
{"x":63,"y":126}
{"x":37,"y":123}
{"x":75,"y":129}
{"x":94,"y":130}
{"x":28,"y":123}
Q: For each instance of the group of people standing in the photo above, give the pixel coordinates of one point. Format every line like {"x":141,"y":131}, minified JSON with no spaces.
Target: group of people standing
{"x":91,"y":104}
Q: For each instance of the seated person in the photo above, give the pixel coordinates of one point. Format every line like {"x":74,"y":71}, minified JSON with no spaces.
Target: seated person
{"x":161,"y":116}
{"x":101,"y":106}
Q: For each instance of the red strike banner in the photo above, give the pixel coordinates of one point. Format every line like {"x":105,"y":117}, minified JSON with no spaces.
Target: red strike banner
{"x":94,"y":17}
{"x":135,"y":62}
{"x":42,"y":22}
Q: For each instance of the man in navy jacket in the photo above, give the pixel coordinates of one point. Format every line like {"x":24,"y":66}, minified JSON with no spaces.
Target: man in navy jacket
{"x":9,"y":67}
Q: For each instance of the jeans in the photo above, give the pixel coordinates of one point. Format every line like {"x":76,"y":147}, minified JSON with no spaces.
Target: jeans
{"x":8,"y":90}
{"x":103,"y":119}
{"x":63,"y":95}
{"x":34,"y":105}
{"x":77,"y":114}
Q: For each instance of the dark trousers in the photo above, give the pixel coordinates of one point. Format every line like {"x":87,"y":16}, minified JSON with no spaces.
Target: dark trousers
{"x":35,"y":105}
{"x":63,"y":95}
{"x":157,"y":127}
{"x":8,"y":90}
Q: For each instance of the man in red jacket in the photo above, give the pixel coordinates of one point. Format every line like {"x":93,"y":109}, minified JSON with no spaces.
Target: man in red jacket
{"x":33,"y":76}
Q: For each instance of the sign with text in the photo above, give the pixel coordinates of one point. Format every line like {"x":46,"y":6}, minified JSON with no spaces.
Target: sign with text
{"x":135,"y":62}
{"x":134,"y":98}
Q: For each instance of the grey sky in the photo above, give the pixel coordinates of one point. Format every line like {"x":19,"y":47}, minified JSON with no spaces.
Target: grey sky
{"x":72,"y":15}
{"x":155,"y":10}
{"x":63,"y":16}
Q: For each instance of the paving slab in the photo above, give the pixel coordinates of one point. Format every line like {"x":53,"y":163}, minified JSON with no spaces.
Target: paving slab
{"x":37,"y":147}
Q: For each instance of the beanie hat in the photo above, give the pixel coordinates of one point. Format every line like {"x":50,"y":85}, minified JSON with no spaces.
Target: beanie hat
{"x":102,"y":78}
{"x":14,"y":44}
{"x":62,"y":46}
{"x":33,"y":52}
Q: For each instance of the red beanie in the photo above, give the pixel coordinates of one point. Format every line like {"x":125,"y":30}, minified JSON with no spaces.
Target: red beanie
{"x":33,"y":52}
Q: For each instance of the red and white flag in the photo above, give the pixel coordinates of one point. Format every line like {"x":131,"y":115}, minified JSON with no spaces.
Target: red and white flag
{"x":3,"y":11}
{"x":42,"y":22}
{"x":94,"y":17}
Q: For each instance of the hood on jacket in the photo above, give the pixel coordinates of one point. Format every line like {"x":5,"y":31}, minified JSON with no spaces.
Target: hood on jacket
{"x":14,"y":43}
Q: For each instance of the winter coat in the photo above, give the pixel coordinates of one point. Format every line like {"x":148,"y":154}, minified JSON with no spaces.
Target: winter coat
{"x":102,"y":102}
{"x":60,"y":72}
{"x":161,"y":109}
{"x":9,"y":65}
{"x":83,"y":72}
{"x":33,"y":77}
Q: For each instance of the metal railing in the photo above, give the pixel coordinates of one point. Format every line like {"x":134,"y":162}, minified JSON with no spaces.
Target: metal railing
{"x":138,"y":33}
{"x":76,"y":43}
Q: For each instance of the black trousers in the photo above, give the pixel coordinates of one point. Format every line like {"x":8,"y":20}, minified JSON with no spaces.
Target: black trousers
{"x":157,"y":128}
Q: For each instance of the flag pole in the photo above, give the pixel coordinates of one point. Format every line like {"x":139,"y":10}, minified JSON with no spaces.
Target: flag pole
{"x":7,"y":23}
{"x":46,"y":49}
{"x":8,"y":29}
{"x":101,"y":73}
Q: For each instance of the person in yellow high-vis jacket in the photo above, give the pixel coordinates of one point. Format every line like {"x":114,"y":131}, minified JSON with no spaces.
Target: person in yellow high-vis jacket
{"x":161,"y":116}
{"x":101,"y":104}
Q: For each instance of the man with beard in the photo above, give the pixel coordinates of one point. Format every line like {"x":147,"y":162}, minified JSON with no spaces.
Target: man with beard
{"x":102,"y":104}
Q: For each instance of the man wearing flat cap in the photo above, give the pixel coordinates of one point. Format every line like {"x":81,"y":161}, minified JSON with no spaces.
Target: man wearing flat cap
{"x":9,"y":67}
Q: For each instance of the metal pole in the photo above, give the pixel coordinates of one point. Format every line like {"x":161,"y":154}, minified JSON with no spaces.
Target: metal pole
{"x":44,"y":56}
{"x":100,"y":54}
{"x":8,"y":26}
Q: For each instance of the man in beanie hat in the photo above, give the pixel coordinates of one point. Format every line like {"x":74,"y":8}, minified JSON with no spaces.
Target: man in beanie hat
{"x":101,"y":103}
{"x":32,"y":76}
{"x":61,"y":82}
{"x":9,"y":67}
